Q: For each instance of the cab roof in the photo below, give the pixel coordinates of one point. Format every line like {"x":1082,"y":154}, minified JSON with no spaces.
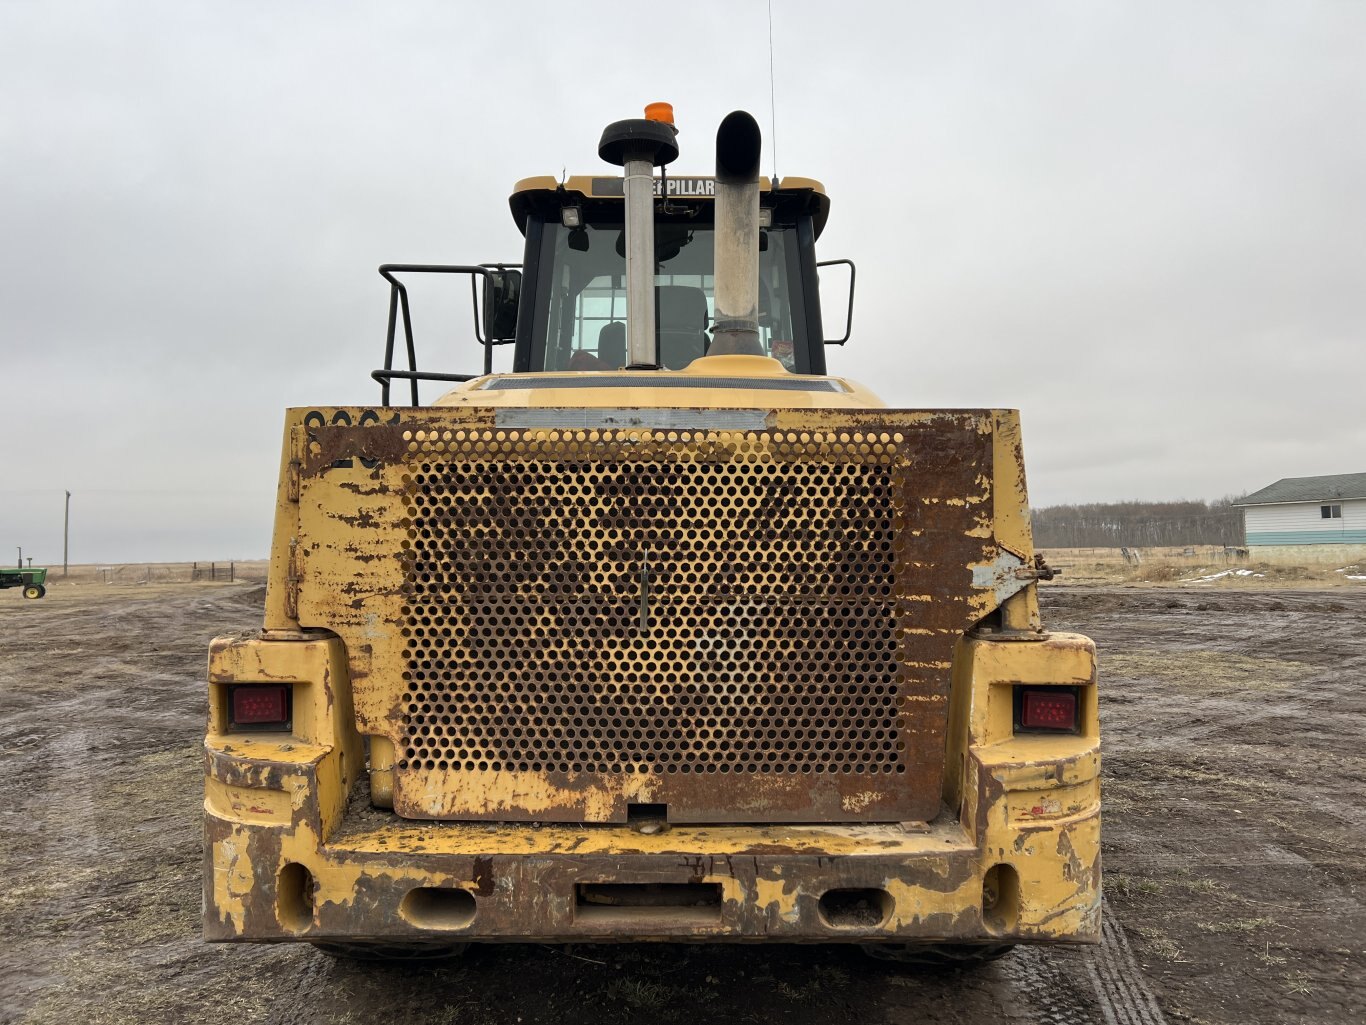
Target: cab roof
{"x":792,"y":195}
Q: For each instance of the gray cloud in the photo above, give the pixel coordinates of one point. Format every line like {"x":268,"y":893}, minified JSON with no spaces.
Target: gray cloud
{"x":1140,"y":224}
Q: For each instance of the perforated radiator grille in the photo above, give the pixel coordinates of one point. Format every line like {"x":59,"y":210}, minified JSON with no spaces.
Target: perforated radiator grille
{"x":658,"y":603}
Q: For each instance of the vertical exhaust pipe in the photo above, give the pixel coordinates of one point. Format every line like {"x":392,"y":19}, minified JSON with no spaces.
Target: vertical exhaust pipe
{"x":738,"y":145}
{"x":639,"y":146}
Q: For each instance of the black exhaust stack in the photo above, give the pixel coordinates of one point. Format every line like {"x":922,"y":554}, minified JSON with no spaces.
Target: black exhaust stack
{"x":738,"y":148}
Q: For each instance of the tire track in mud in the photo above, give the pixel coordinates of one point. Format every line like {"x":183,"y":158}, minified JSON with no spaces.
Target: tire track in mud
{"x":1100,"y":984}
{"x":1039,"y":978}
{"x":1123,"y":991}
{"x":297,"y":1001}
{"x":73,"y":836}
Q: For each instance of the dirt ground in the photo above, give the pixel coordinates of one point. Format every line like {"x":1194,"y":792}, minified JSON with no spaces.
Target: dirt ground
{"x":1235,"y":740}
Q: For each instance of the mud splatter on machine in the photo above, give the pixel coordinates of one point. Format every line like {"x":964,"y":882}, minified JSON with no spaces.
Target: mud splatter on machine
{"x":665,"y":635}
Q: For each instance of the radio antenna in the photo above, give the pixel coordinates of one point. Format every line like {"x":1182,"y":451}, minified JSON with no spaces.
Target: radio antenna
{"x":772,"y":103}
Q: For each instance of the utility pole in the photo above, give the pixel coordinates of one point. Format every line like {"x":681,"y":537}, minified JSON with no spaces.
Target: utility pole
{"x":66,"y":531}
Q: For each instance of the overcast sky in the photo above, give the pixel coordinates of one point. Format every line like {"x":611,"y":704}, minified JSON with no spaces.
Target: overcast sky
{"x":1142,"y":224}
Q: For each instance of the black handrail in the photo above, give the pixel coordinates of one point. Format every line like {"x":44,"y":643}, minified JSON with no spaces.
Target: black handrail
{"x":849,"y":322}
{"x":398,"y":298}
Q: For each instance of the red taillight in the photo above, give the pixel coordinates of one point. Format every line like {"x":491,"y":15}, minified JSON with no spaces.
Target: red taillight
{"x":1048,"y":708}
{"x":259,"y":706}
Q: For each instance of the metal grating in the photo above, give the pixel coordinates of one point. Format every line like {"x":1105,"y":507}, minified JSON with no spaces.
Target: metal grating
{"x":677,"y":604}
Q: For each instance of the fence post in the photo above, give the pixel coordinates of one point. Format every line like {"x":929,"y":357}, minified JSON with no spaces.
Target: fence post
{"x":232,"y":572}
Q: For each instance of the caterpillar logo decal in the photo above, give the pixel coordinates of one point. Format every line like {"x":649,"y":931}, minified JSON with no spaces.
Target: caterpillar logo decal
{"x":685,"y":188}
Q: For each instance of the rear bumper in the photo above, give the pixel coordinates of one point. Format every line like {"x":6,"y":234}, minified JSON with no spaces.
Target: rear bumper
{"x":379,"y":877}
{"x":287,"y":858}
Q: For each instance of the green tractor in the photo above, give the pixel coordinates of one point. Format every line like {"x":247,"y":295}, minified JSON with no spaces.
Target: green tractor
{"x":31,"y":580}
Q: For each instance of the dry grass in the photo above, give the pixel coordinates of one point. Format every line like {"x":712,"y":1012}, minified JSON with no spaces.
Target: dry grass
{"x":1268,"y":958}
{"x":1298,"y":983}
{"x":1204,"y":567}
{"x":1206,"y":671}
{"x":1129,"y":886}
{"x":642,"y":994}
{"x":1157,"y":942}
{"x":1239,"y":925}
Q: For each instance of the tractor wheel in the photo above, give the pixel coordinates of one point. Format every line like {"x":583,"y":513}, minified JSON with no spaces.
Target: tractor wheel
{"x":392,"y":951}
{"x":938,"y":955}
{"x":34,"y":590}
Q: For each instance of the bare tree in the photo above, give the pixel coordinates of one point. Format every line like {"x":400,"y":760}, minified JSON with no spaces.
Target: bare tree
{"x":1139,"y":524}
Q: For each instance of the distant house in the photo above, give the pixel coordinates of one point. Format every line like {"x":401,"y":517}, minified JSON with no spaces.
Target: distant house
{"x":1307,"y":511}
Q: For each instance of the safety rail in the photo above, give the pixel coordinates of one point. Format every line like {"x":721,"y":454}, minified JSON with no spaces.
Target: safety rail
{"x":492,"y":275}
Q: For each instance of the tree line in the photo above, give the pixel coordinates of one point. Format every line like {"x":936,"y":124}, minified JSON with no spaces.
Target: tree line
{"x":1139,"y":524}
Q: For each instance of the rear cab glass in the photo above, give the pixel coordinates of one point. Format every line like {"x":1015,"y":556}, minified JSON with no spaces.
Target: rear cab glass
{"x":580,"y":315}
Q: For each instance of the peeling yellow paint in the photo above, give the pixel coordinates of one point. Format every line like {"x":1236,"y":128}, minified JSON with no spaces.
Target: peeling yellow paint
{"x":272,"y":800}
{"x":485,"y":793}
{"x":775,"y":895}
{"x":247,"y":804}
{"x":239,"y":876}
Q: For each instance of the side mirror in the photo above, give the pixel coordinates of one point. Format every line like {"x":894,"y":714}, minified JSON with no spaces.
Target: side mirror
{"x":849,"y":306}
{"x":502,"y":292}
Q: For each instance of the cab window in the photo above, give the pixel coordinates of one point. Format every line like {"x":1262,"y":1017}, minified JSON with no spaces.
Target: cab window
{"x":581,"y":299}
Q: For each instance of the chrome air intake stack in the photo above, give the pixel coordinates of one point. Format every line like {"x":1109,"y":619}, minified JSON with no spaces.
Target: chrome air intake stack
{"x":736,"y":326}
{"x":639,"y":146}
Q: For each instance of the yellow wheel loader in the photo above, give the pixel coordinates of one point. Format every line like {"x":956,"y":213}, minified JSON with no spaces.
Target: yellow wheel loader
{"x":666,"y":635}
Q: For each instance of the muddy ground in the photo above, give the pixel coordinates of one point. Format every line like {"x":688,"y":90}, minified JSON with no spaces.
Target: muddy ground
{"x":1235,"y":875}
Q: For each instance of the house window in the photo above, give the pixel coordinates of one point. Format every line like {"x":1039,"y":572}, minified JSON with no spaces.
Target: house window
{"x":1330,"y":512}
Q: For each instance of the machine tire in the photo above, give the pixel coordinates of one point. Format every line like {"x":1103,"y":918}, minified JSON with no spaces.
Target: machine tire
{"x":34,"y":590}
{"x":393,"y":951}
{"x":939,"y":955}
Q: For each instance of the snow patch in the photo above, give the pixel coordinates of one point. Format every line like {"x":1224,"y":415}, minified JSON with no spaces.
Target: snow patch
{"x":1223,"y":573}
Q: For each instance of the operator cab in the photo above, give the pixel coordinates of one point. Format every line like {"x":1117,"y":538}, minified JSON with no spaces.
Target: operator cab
{"x":573,"y":299}
{"x":565,"y":307}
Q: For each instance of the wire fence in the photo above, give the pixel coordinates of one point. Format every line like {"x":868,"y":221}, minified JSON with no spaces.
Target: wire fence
{"x":230,"y":571}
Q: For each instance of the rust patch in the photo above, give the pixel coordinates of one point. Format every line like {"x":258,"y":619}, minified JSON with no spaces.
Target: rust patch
{"x":482,"y":875}
{"x":735,"y":624}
